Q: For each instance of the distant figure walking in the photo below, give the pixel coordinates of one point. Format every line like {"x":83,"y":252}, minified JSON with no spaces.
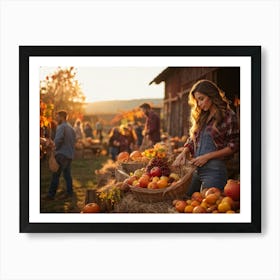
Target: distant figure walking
{"x":138,"y":128}
{"x":88,"y":130}
{"x":152,"y":126}
{"x":99,"y":128}
{"x":78,"y":130}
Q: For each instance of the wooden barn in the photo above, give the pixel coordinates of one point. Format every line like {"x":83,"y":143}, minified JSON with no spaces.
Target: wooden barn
{"x":178,"y":82}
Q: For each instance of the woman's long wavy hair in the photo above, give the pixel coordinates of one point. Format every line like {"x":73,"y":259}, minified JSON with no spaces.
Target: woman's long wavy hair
{"x":218,"y":98}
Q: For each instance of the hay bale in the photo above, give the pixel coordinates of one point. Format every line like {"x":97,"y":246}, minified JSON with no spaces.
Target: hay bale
{"x":108,"y":195}
{"x":106,"y":173}
{"x":129,"y":205}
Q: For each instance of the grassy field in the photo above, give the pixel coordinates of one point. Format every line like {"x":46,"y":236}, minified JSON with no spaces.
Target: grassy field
{"x":84,"y":177}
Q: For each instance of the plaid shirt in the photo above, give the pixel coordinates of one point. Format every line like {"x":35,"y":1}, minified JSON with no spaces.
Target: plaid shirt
{"x":226,"y":136}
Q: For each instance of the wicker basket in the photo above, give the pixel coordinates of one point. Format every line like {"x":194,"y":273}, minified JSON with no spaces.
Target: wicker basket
{"x":120,"y":175}
{"x":129,"y":167}
{"x":178,"y":190}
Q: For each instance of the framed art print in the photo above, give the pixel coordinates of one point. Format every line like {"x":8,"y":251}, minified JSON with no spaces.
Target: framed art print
{"x":140,"y":138}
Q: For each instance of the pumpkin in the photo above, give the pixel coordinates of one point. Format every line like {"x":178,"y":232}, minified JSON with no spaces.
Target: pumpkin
{"x":136,"y":156}
{"x":123,"y":157}
{"x":91,"y":208}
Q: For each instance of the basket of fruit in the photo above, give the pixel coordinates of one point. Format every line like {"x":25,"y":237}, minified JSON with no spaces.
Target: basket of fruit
{"x":131,"y":162}
{"x":160,"y":181}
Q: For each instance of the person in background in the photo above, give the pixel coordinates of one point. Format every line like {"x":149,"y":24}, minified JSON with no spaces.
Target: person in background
{"x":78,"y":130}
{"x":138,"y":128}
{"x":152,"y":126}
{"x":99,"y":129}
{"x":88,"y":131}
{"x":125,"y":139}
{"x":64,"y":144}
{"x":132,"y":137}
{"x":114,"y":142}
{"x":214,"y":136}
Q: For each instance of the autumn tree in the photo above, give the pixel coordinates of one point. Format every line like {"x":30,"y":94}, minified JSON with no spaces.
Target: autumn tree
{"x":61,"y":91}
{"x":128,"y":116}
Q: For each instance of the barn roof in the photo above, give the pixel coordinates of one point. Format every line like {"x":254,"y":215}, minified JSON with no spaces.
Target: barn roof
{"x":162,"y":76}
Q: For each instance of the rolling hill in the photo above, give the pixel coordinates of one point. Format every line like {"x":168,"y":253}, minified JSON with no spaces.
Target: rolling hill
{"x":115,"y":106}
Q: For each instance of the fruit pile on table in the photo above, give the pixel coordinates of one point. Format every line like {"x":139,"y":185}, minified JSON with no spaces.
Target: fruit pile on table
{"x":212,"y":200}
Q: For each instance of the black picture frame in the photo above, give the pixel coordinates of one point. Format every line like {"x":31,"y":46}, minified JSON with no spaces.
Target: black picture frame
{"x":253,"y":52}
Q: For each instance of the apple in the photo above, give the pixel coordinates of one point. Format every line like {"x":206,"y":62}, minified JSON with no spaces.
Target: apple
{"x":135,"y":183}
{"x":197,"y":196}
{"x":138,"y":173}
{"x":213,"y":190}
{"x":180,"y":206}
{"x":152,"y":185}
{"x":164,"y":178}
{"x":155,"y":179}
{"x":232,"y":189}
{"x":174,"y":176}
{"x":131,"y":179}
{"x":199,"y":209}
{"x":144,"y":181}
{"x":155,"y":171}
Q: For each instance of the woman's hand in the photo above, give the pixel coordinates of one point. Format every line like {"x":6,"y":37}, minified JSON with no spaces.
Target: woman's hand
{"x":200,"y":161}
{"x":181,"y":158}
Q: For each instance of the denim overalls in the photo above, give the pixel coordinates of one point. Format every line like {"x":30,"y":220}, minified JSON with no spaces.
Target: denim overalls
{"x":214,"y":172}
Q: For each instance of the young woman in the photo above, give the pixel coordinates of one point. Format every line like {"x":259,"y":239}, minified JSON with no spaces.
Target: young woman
{"x":214,"y":136}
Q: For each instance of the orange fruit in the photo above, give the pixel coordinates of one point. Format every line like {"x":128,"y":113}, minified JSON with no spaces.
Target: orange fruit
{"x":197,"y":196}
{"x":188,"y":209}
{"x":199,"y":209}
{"x":195,"y":203}
{"x":204,"y":204}
{"x":224,"y":207}
{"x":211,"y":198}
{"x":162,"y":183}
{"x":229,"y":200}
{"x":164,"y":178}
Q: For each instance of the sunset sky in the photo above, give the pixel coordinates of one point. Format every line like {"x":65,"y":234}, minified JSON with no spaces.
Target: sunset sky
{"x":112,"y":83}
